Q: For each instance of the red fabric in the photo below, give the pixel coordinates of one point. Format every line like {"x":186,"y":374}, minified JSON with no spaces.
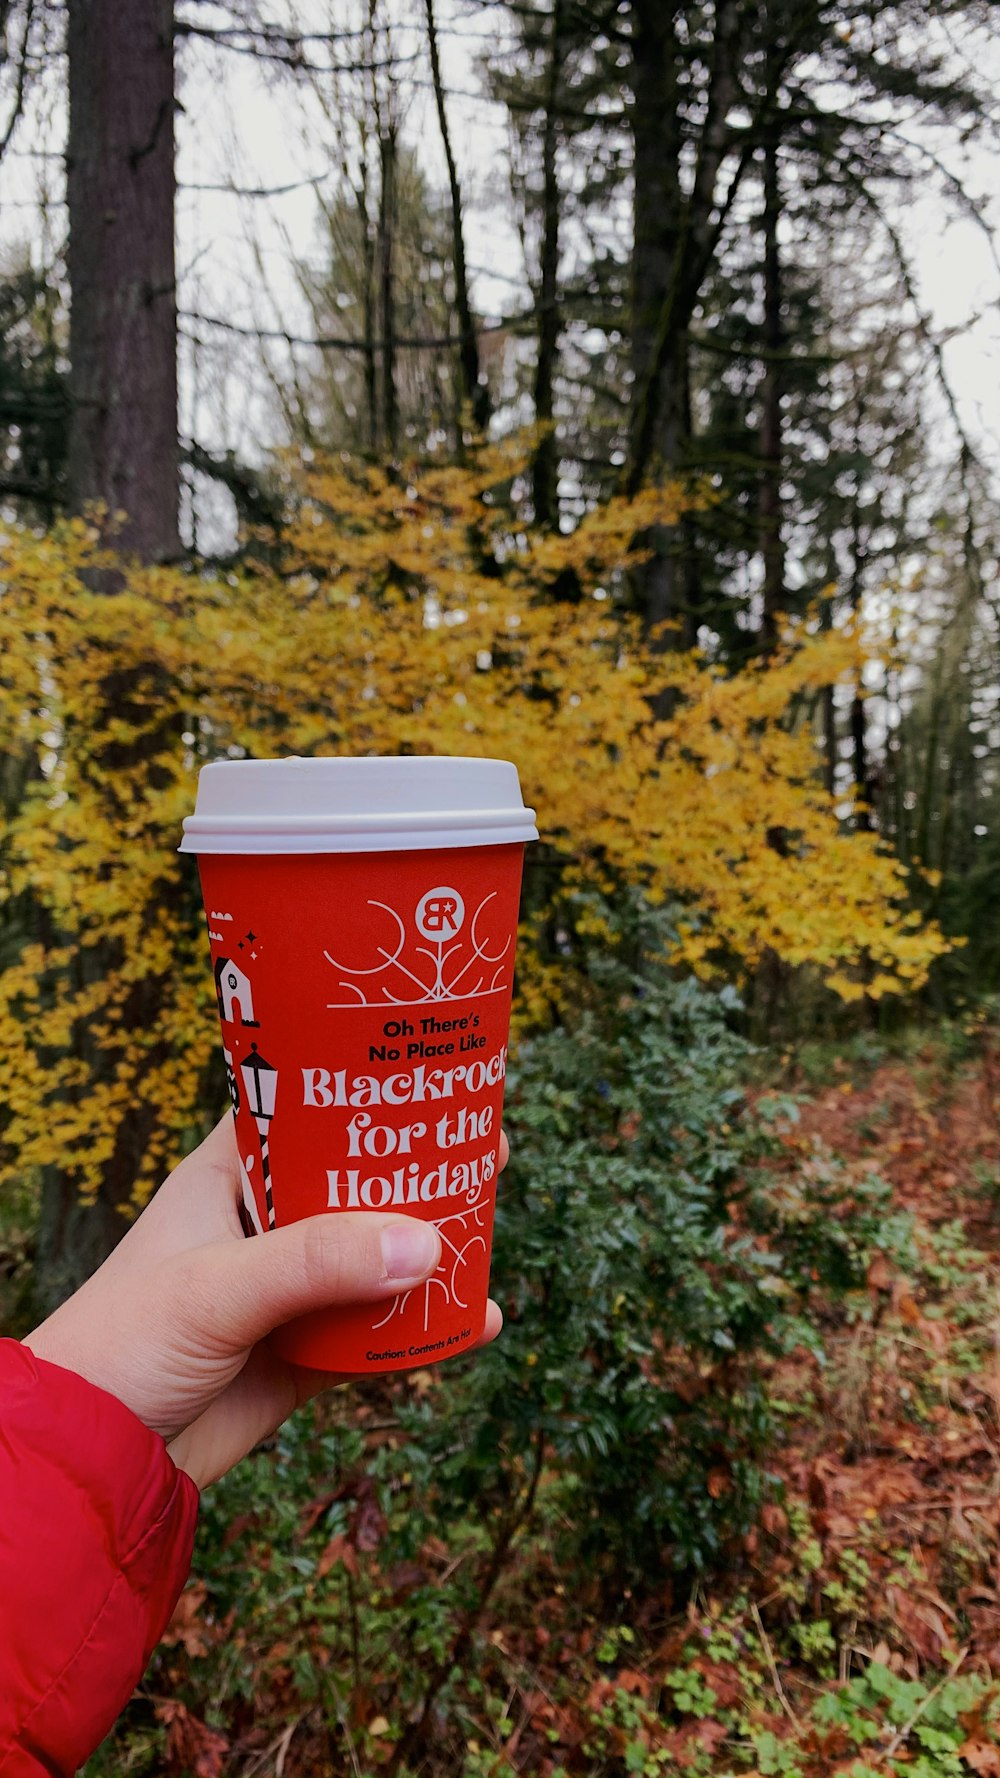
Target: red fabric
{"x":96,"y":1531}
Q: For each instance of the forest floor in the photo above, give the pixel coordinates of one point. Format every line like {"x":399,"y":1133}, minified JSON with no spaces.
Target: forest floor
{"x":856,"y":1630}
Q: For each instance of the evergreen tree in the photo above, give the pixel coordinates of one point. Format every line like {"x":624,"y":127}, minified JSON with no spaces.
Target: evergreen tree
{"x":343,"y":401}
{"x":736,"y":109}
{"x":34,"y":401}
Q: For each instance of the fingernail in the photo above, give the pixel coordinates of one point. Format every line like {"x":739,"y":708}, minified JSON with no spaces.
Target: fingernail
{"x":410,"y":1249}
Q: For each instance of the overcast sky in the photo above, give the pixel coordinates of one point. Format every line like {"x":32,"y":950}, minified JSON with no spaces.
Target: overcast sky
{"x":246,"y":126}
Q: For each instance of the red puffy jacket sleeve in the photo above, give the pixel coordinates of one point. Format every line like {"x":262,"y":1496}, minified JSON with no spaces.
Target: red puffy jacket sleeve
{"x":96,"y":1531}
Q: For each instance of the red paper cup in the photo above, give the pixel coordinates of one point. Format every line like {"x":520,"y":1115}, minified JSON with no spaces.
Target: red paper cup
{"x":362,"y":916}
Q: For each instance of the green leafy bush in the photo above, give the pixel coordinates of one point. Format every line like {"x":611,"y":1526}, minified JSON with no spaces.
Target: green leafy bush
{"x":656,"y":1243}
{"x":636,"y":1301}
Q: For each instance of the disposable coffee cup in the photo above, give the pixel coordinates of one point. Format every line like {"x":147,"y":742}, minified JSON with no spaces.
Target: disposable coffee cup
{"x":362,"y":917}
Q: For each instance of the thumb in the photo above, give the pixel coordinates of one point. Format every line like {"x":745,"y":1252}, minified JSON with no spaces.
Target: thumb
{"x":253,"y":1286}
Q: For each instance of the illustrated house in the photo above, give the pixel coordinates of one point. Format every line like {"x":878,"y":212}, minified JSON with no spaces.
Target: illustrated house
{"x":234,"y":992}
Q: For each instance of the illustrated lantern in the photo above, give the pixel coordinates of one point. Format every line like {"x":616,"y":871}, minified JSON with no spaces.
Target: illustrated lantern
{"x":261,"y":1081}
{"x":231,"y":1082}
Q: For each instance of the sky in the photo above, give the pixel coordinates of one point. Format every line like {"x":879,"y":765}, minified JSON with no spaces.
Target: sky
{"x":241,"y":125}
{"x":235,"y":254}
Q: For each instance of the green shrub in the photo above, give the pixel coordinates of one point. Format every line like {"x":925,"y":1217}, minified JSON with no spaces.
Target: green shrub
{"x":636,"y":1305}
{"x":650,"y":1258}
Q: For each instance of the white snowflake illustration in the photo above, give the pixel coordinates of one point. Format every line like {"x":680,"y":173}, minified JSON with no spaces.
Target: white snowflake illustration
{"x":462,"y":1234}
{"x":439,"y":918}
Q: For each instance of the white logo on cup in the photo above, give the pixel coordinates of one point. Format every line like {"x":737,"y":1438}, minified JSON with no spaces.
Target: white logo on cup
{"x":440,"y":914}
{"x":457,"y":945}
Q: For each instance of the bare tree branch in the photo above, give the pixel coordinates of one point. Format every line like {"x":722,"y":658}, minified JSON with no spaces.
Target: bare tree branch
{"x":475,"y":391}
{"x":288,"y":53}
{"x":257,"y":191}
{"x":21,"y":82}
{"x":343,"y":343}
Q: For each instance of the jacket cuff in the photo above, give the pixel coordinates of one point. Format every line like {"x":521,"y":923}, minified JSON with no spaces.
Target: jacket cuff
{"x":96,"y":1536}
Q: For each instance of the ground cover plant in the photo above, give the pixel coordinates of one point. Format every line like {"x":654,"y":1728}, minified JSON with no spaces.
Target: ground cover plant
{"x":775,"y":1558}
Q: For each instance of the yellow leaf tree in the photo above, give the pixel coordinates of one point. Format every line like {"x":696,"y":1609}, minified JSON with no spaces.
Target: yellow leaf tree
{"x":412,"y":613}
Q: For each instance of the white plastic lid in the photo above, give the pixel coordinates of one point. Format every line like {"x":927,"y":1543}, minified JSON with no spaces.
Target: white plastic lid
{"x":408,"y":803}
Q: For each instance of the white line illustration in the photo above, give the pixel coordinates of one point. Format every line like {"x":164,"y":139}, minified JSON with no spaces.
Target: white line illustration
{"x":439,"y":918}
{"x":246,"y":1168}
{"x":456,"y":1248}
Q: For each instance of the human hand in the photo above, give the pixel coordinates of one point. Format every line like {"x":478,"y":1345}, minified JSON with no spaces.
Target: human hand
{"x":174,"y":1323}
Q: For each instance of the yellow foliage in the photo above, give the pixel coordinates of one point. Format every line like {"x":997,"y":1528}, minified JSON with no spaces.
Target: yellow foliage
{"x":410,"y":614}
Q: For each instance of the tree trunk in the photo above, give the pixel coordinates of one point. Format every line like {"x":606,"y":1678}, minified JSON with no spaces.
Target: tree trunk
{"x":864,"y":776}
{"x":828,"y":702}
{"x":387,"y":221}
{"x":123,"y":451}
{"x":656,"y":253}
{"x":771,"y":441}
{"x":476,"y":393}
{"x":123,"y":318}
{"x":829,"y":722}
{"x":544,"y":471}
{"x":368,"y":252}
{"x":676,"y":235}
{"x":74,"y":1238}
{"x":859,"y":750}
